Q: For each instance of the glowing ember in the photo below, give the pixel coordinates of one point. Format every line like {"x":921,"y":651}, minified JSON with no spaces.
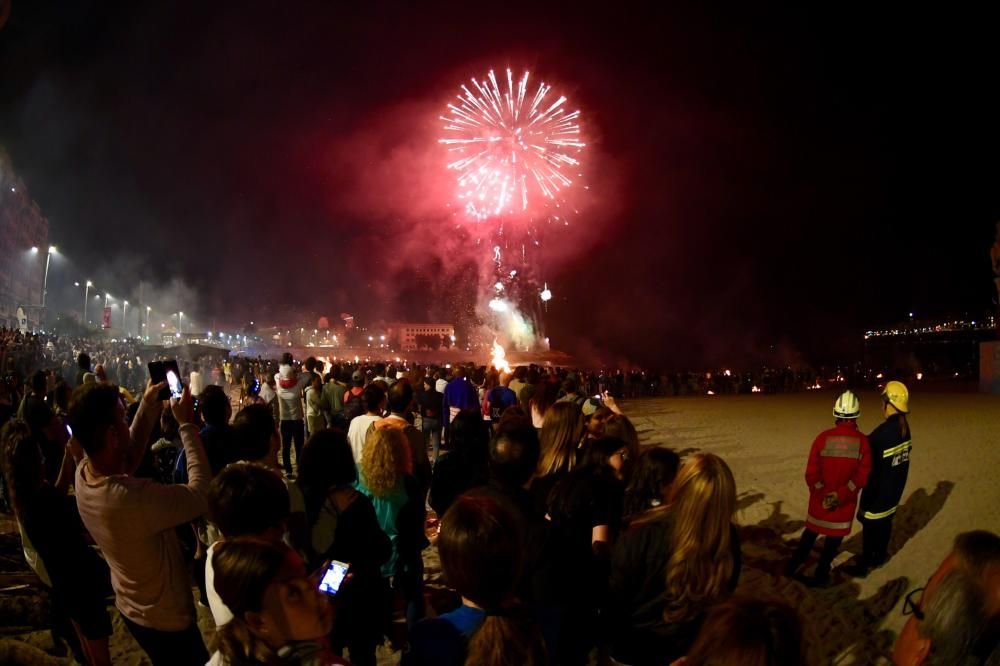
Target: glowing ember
{"x":500,"y":358}
{"x":510,"y":147}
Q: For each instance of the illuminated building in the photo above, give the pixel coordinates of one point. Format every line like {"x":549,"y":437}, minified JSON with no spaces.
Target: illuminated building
{"x":409,"y":336}
{"x":22,"y":226}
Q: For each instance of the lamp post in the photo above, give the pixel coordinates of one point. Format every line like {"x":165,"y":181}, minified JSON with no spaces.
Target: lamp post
{"x":148,"y":310}
{"x":125,"y":317}
{"x":180,"y":323}
{"x":86,"y":297}
{"x":45,"y":281}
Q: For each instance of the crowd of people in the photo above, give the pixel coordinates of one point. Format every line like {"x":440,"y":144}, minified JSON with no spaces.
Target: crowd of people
{"x":561,"y":539}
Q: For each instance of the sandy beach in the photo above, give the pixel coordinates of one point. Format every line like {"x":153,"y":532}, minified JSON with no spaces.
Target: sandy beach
{"x":952,"y":488}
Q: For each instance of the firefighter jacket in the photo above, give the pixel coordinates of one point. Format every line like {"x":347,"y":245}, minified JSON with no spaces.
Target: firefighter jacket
{"x":890,"y":446}
{"x":839,"y":462}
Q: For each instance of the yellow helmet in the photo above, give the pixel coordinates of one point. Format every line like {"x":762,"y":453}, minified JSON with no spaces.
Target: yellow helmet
{"x":898,"y":396}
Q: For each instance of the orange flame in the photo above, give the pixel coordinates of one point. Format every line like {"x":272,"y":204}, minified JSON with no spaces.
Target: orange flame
{"x":500,"y":358}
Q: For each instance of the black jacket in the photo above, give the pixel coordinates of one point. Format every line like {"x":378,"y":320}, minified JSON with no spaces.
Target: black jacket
{"x":890,"y":447}
{"x":639,"y":633}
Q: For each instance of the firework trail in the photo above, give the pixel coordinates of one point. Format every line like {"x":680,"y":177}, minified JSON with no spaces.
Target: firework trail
{"x":515,"y":155}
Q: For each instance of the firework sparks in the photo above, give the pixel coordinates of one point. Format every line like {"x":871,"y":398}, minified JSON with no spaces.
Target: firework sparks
{"x":510,"y":147}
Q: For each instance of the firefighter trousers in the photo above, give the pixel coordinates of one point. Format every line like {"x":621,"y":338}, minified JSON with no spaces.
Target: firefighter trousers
{"x":875,"y":539}
{"x":806,"y":543}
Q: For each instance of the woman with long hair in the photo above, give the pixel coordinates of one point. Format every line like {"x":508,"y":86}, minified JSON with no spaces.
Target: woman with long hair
{"x":558,"y":440}
{"x":620,"y":427}
{"x":669,"y":570}
{"x":344,"y":527}
{"x":386,"y":477}
{"x":584,"y":510}
{"x":649,"y":487}
{"x":279,"y":614}
{"x":543,"y":398}
{"x":482,"y":548}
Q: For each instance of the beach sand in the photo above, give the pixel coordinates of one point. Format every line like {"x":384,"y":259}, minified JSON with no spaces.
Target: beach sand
{"x":952,"y":488}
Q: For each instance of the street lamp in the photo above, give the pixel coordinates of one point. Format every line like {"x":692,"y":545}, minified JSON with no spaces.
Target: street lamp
{"x":86,"y":297}
{"x":148,"y":310}
{"x":180,"y":323}
{"x":124,"y":317}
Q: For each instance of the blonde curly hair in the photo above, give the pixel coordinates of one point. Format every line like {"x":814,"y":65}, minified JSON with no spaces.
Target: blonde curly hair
{"x":385,"y":460}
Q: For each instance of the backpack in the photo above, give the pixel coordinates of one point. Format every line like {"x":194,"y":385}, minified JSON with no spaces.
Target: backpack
{"x":353,"y":406}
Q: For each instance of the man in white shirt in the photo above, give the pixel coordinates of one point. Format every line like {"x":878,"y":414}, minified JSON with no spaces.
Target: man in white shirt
{"x":195,"y":381}
{"x":374,"y":401}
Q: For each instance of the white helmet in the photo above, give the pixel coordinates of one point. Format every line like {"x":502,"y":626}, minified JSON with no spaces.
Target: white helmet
{"x":847,"y":406}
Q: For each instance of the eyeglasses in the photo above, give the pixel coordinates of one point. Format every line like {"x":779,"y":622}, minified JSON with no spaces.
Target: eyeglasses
{"x":911,"y":607}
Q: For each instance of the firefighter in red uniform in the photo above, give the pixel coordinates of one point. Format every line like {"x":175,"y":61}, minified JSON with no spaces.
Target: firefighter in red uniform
{"x":838,"y":468}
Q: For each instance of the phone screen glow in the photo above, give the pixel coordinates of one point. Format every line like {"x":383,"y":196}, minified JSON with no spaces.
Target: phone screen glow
{"x":176,"y":390}
{"x":333,"y":577}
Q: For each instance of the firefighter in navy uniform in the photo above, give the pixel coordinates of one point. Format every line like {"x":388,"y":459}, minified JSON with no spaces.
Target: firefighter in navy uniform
{"x":838,"y":468}
{"x":890,"y":447}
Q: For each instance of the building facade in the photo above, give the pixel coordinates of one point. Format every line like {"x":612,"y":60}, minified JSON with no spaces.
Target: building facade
{"x":409,"y":336}
{"x":22,"y":227}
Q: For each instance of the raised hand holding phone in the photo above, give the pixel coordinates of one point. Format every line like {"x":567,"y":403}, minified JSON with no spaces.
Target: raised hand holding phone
{"x":154,"y":391}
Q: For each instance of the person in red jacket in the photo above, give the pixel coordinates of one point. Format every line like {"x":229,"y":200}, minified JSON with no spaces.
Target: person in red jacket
{"x":838,"y":468}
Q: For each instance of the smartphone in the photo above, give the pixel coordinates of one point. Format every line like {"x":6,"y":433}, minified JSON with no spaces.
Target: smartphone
{"x":333,"y":577}
{"x":174,"y":383}
{"x":157,"y":374}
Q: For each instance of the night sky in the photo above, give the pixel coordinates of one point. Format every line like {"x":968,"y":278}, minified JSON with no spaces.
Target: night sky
{"x":762,"y":176}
